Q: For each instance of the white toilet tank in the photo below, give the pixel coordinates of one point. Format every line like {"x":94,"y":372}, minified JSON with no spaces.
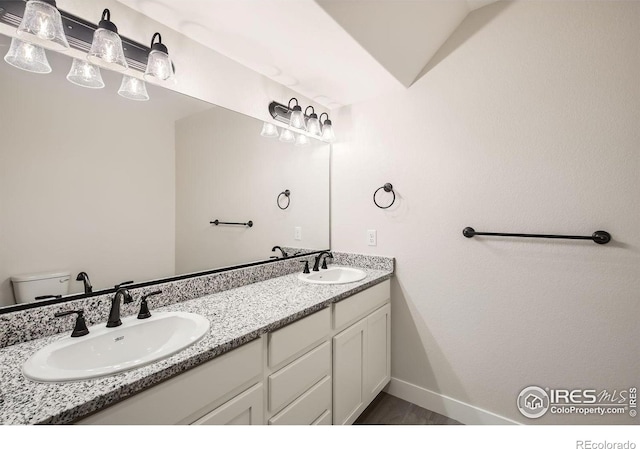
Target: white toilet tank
{"x":27,"y":287}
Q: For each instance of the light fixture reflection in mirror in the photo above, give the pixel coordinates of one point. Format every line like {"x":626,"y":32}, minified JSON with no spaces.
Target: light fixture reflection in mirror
{"x":313,"y":124}
{"x":42,"y":25}
{"x":287,"y":136}
{"x":269,"y":130}
{"x":85,"y":74}
{"x":297,"y":117}
{"x":302,"y":140}
{"x":133,"y":89}
{"x":27,"y":56}
{"x":327,"y":129}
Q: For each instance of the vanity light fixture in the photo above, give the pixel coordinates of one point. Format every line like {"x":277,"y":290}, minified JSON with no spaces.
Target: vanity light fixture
{"x":27,"y":56}
{"x":133,"y":89}
{"x":269,"y":130}
{"x":106,"y":47}
{"x":314,"y":128}
{"x":159,"y":66}
{"x":287,"y":136}
{"x":297,"y":117}
{"x":42,"y":25}
{"x":327,"y":129}
{"x":85,"y":74}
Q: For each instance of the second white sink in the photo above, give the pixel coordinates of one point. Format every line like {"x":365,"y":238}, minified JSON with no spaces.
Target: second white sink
{"x":334,"y":275}
{"x":108,"y":351}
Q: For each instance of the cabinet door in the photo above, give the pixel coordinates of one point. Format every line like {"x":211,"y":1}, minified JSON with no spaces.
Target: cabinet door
{"x":349,"y":349}
{"x":244,"y":409}
{"x":378,"y":357}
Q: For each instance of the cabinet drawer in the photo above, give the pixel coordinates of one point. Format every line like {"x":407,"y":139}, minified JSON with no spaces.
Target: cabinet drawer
{"x":198,"y":390}
{"x":294,"y":338}
{"x":244,"y":410}
{"x":324,"y":420}
{"x":309,"y":408}
{"x":292,"y":380}
{"x":357,"y":306}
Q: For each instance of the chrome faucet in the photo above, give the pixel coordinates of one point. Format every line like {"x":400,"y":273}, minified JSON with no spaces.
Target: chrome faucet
{"x":284,"y":254}
{"x":114,"y":313}
{"x":316,"y":265}
{"x":84,"y":277}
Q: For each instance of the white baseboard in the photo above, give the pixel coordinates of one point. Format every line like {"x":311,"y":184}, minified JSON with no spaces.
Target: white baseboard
{"x":452,"y":408}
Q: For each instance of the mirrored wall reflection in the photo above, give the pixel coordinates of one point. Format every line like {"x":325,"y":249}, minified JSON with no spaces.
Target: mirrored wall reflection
{"x":122,"y":190}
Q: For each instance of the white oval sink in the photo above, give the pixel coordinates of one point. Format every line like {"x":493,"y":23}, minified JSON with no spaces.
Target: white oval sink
{"x":106,"y":351}
{"x":334,"y":275}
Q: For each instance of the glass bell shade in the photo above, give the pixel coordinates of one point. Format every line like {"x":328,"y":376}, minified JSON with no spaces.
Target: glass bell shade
{"x":327,"y":132}
{"x":159,"y":68}
{"x":269,"y":130}
{"x":133,"y":89}
{"x":286,"y":135}
{"x":159,"y":65}
{"x":106,"y":47}
{"x":106,"y":51}
{"x":85,"y":74}
{"x":42,"y":25}
{"x":297,"y":118}
{"x":313,"y":125}
{"x":27,"y":56}
{"x":302,"y":140}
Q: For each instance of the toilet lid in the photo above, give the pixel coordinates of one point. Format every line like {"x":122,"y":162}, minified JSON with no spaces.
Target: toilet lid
{"x":40,"y":276}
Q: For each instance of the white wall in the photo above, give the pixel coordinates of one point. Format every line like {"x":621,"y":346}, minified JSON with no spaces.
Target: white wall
{"x":86,"y":179}
{"x":226,"y":170}
{"x":526,"y":121}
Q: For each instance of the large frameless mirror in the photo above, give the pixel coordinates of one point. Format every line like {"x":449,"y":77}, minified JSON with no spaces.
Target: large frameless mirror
{"x":91,"y":182}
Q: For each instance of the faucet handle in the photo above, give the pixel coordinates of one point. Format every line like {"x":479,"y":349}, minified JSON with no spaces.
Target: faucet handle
{"x":117,"y":286}
{"x":144,"y":307}
{"x":80,"y":327}
{"x":306,"y":266}
{"x":38,"y":298}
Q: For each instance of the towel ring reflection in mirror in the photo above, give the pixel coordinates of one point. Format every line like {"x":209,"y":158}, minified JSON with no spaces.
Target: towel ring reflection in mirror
{"x":287,"y":195}
{"x":387,"y":188}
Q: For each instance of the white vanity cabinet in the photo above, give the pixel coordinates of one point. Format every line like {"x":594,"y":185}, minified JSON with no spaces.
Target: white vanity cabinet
{"x":361,"y":352}
{"x":325,"y":368}
{"x":193,"y":395}
{"x":299,"y":371}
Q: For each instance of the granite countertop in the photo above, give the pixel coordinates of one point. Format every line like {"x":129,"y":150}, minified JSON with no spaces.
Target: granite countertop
{"x":237,"y":316}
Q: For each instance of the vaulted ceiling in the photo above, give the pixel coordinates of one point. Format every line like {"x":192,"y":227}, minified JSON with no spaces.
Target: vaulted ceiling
{"x":336,"y":52}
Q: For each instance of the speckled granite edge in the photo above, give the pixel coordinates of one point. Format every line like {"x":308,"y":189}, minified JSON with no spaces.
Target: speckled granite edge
{"x":25,"y":325}
{"x":237,"y":316}
{"x":364,"y":261}
{"x":293,"y":251}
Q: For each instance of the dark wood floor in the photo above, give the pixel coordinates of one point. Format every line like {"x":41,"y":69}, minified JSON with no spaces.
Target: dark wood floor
{"x":387,"y":409}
